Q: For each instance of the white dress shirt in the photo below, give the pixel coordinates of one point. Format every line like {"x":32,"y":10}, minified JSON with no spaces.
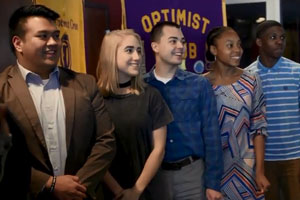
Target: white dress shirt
{"x":49,"y":103}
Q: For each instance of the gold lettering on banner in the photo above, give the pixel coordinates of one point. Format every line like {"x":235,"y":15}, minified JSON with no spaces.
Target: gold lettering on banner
{"x":165,"y":13}
{"x":196,"y":23}
{"x":184,"y":18}
{"x":155,"y":17}
{"x":191,"y":50}
{"x":146,"y":23}
{"x":69,"y":24}
{"x":181,"y":17}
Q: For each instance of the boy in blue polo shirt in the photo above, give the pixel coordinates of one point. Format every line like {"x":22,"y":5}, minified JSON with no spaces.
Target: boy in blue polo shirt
{"x":281,"y":86}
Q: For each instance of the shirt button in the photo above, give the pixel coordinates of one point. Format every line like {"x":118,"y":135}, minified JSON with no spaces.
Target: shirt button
{"x":171,"y":141}
{"x":53,"y":147}
{"x":50,"y":125}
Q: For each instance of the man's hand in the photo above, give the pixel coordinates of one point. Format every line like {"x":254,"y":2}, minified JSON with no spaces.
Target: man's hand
{"x":262,"y":183}
{"x":68,"y":187}
{"x":213,"y":195}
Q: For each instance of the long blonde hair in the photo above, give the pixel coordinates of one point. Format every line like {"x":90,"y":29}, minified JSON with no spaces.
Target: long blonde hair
{"x":107,"y":69}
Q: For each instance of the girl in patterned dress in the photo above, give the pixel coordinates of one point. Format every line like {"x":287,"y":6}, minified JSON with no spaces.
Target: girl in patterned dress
{"x":241,"y":113}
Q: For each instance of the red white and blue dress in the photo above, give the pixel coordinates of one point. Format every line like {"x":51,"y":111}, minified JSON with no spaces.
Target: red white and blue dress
{"x":241,"y":112}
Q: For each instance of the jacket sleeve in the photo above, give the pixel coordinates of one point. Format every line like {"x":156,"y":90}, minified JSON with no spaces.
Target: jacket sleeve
{"x":103,"y":149}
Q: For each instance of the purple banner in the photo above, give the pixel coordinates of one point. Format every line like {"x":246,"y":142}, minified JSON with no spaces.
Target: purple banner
{"x":196,"y":18}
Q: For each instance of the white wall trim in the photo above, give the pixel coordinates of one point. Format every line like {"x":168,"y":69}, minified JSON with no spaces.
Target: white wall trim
{"x":272,"y":7}
{"x":273,"y":10}
{"x":243,"y":1}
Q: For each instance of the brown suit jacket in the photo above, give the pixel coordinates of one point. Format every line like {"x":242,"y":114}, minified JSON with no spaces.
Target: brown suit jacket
{"x":89,"y":130}
{"x":14,"y":163}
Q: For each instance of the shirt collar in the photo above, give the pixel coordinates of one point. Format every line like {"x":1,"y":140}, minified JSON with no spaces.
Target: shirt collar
{"x":25,"y":72}
{"x":264,"y":68}
{"x":179,"y":74}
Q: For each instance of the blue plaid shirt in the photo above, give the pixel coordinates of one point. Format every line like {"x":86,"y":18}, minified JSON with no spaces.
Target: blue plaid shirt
{"x":195,"y":129}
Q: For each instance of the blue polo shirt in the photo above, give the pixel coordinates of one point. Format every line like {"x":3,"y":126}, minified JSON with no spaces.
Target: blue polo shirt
{"x":281,"y":86}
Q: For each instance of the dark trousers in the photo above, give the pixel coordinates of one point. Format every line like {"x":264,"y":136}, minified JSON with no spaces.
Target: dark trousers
{"x":284,"y":177}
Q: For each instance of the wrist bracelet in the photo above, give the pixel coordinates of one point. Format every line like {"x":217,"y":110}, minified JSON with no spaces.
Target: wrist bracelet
{"x":52,"y":184}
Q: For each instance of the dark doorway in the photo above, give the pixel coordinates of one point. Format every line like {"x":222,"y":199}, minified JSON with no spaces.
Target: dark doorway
{"x":96,"y":20}
{"x":244,"y":18}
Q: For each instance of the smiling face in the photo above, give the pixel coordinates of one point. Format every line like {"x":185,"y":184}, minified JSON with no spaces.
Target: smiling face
{"x":272,"y":42}
{"x":170,"y":48}
{"x":129,"y":55}
{"x":227,"y":49}
{"x":39,"y":49}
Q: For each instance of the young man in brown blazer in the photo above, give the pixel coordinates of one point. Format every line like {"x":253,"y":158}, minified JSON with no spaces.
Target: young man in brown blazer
{"x":60,"y":113}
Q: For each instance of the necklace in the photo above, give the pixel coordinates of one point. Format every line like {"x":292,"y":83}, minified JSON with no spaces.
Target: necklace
{"x":124,"y":85}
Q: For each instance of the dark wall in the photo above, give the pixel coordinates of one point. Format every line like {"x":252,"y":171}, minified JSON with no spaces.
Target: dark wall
{"x":114,"y":7}
{"x":7,"y":7}
{"x":291,"y":23}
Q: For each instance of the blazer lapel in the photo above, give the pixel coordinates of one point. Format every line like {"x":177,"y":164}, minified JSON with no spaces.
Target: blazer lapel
{"x":68,"y":92}
{"x":21,"y":91}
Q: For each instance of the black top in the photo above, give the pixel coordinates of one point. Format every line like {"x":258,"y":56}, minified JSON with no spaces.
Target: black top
{"x":135,"y":117}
